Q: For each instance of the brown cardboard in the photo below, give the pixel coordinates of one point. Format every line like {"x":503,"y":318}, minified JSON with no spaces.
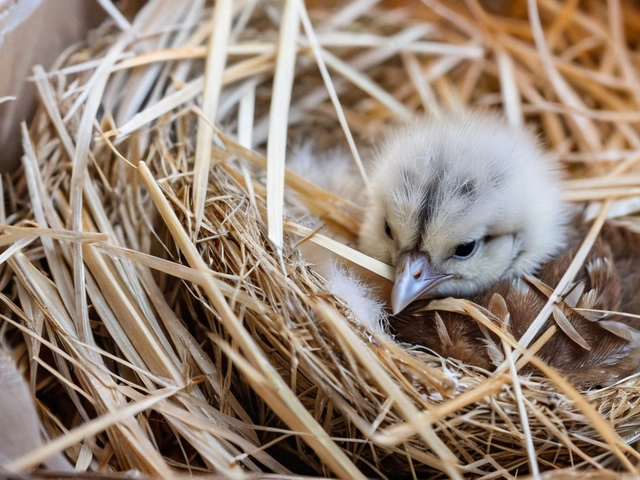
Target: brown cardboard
{"x":33,"y":32}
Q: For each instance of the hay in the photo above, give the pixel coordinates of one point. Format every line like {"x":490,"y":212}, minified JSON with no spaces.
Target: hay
{"x":152,"y":292}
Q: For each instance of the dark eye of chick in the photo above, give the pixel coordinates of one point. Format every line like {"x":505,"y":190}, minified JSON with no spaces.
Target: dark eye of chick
{"x":387,"y":230}
{"x":465,"y":250}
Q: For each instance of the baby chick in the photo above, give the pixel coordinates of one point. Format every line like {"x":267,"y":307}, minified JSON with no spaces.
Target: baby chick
{"x":467,"y":206}
{"x":461,"y":203}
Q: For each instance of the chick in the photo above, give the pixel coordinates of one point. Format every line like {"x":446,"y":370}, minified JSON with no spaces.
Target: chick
{"x":467,"y":206}
{"x":461,"y":203}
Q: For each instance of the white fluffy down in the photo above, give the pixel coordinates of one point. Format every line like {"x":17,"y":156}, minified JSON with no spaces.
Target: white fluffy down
{"x":333,"y":170}
{"x":360,"y":297}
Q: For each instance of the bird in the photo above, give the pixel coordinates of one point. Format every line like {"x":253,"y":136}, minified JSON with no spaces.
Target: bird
{"x":460,"y":203}
{"x":469,"y":206}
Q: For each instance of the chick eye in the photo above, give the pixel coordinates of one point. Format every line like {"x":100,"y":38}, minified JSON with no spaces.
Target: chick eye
{"x":465,"y":250}
{"x":387,"y":230}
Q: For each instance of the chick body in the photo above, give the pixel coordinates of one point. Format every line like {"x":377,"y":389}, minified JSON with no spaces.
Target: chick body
{"x":608,"y":281}
{"x":467,"y":206}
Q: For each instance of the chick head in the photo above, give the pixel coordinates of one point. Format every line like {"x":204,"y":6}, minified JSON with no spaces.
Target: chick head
{"x":460,"y":203}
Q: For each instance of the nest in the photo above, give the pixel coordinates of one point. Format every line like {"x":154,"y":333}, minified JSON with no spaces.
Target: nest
{"x":152,"y":288}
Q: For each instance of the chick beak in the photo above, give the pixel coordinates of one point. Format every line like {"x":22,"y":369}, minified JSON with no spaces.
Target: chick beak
{"x":414,"y":277}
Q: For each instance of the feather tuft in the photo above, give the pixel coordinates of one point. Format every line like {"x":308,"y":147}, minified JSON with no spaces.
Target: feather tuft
{"x":360,"y":297}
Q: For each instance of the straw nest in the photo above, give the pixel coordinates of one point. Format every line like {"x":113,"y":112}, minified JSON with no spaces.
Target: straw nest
{"x":153,"y":293}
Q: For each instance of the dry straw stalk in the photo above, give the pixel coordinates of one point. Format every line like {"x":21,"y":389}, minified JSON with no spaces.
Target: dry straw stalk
{"x":152,"y":290}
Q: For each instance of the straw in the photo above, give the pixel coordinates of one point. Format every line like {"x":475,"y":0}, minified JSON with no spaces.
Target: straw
{"x":164,"y":269}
